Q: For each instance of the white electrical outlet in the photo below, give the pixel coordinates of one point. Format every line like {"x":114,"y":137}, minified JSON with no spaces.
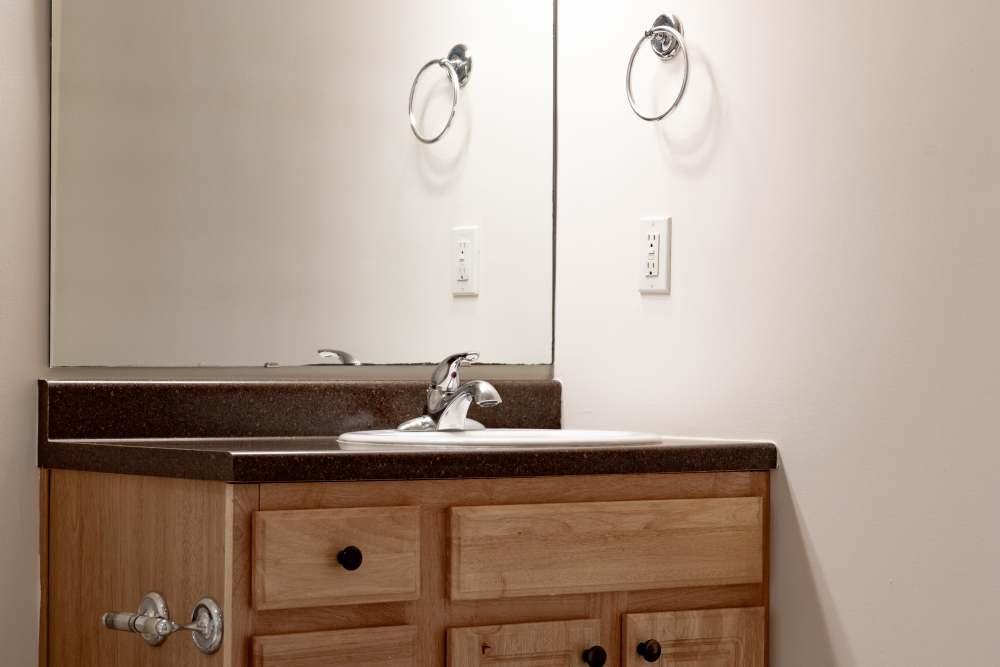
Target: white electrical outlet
{"x":465,"y":261}
{"x":654,"y":255}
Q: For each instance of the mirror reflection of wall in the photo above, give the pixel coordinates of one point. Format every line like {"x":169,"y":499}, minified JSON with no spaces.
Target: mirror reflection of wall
{"x":236,"y":183}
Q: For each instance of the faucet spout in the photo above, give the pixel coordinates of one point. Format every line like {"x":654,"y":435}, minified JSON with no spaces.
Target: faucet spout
{"x":454,"y":417}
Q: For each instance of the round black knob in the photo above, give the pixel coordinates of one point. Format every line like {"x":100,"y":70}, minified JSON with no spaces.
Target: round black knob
{"x":650,"y":650}
{"x":350,"y":558}
{"x":595,"y":656}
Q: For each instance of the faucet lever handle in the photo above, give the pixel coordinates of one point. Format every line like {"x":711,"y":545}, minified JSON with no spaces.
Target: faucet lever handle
{"x":445,"y":376}
{"x":445,"y":380}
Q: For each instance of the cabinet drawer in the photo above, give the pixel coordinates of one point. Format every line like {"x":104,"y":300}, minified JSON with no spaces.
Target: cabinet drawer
{"x":704,"y":638}
{"x":367,"y":647}
{"x":555,"y":644}
{"x":528,"y":550}
{"x":299,"y":557}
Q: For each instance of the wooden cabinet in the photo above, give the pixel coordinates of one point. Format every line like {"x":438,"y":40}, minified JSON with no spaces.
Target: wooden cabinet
{"x":526,"y":572}
{"x":314,"y":558}
{"x":553,"y":644}
{"x":562,"y":548}
{"x":365,"y":647}
{"x":704,"y":638}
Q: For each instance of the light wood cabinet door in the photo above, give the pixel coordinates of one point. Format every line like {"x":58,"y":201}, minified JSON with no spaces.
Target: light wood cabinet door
{"x":552,"y":644}
{"x":705,"y":638}
{"x":366,"y":647}
{"x":509,"y":551}
{"x":299,"y":557}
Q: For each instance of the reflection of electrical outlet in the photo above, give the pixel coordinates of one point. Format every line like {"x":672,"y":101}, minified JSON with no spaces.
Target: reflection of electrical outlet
{"x":465,"y":245}
{"x":654,"y":240}
{"x":462,"y":260}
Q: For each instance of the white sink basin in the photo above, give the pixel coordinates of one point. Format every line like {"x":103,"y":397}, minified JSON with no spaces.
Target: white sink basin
{"x":514,"y":438}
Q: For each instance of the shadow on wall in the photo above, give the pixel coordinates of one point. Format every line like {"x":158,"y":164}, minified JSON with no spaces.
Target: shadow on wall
{"x":689,"y":137}
{"x":440,"y":164}
{"x":812,"y":637}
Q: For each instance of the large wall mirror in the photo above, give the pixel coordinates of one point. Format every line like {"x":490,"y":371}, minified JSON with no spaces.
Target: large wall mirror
{"x":236,"y":182}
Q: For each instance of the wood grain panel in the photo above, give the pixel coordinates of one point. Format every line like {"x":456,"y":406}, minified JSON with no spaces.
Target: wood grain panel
{"x":444,"y":493}
{"x":550,"y":549}
{"x":112,"y":538}
{"x":512,"y":610}
{"x":699,"y":597}
{"x":368,"y":647}
{"x":710,"y":638}
{"x":555,"y":644}
{"x":241,"y":620}
{"x":43,"y":567}
{"x":765,"y":492}
{"x":295,"y":556}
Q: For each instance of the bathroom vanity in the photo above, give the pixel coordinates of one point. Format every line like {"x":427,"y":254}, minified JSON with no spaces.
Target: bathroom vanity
{"x":629,"y":555}
{"x":242,"y":189}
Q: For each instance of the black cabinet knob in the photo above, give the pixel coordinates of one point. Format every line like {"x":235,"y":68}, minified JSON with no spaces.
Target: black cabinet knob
{"x":650,"y":650}
{"x":350,"y":558}
{"x":595,"y":656}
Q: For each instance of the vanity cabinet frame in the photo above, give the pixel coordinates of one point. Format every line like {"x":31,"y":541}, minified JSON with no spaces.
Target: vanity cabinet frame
{"x":109,"y":538}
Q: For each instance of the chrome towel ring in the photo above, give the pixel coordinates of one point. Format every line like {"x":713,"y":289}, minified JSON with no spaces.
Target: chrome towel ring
{"x":458,"y":66}
{"x":666,"y":38}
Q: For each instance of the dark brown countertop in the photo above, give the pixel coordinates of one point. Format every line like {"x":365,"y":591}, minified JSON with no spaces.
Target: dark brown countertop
{"x":302,"y":459}
{"x":250,"y":431}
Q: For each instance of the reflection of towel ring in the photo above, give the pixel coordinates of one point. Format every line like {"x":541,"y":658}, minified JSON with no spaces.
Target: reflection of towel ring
{"x":458,"y":66}
{"x":666,"y":38}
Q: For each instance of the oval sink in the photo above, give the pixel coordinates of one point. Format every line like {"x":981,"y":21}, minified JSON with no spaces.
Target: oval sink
{"x":493,"y":437}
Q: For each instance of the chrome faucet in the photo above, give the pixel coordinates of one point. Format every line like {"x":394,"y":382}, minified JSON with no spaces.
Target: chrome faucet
{"x":448,"y":400}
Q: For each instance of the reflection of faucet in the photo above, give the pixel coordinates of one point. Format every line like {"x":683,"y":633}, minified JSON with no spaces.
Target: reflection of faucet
{"x":337,"y":357}
{"x":448,"y":400}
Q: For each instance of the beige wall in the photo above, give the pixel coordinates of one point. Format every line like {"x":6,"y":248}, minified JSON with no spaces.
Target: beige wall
{"x":24,"y":119}
{"x":834,"y":177}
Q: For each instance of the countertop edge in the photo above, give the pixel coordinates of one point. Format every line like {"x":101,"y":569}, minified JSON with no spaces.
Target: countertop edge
{"x":232,"y":465}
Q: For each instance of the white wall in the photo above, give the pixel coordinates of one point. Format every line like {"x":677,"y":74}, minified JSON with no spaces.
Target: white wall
{"x":24,"y":31}
{"x":236,"y":182}
{"x":834,"y":178}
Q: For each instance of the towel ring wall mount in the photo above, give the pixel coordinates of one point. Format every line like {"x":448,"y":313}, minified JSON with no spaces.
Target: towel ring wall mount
{"x":458,"y":66}
{"x":666,"y":39}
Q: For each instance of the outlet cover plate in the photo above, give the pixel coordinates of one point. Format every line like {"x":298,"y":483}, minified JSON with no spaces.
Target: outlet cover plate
{"x":654,"y":260}
{"x":465,"y":261}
